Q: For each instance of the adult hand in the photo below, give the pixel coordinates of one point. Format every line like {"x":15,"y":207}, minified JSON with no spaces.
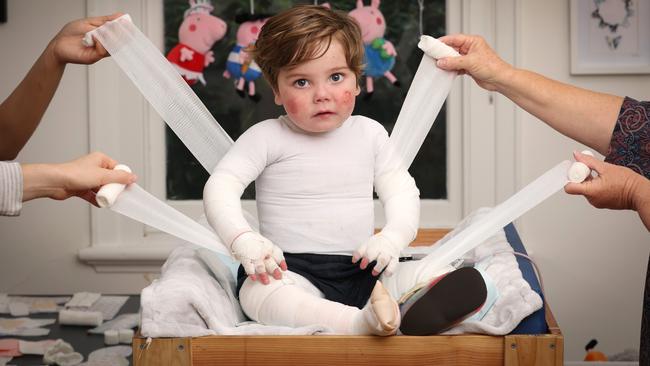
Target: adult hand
{"x":477,"y":59}
{"x":615,"y":187}
{"x":259,"y":256}
{"x":82,"y":177}
{"x":66,"y":46}
{"x":380,"y":248}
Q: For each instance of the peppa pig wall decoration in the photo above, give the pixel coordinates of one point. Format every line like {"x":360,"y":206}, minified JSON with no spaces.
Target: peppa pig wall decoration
{"x":379,"y":52}
{"x":239,"y":66}
{"x":197,"y":34}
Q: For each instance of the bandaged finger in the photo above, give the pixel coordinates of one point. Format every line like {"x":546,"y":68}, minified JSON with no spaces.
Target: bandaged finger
{"x":360,"y":252}
{"x":249,"y":267}
{"x":277,"y":254}
{"x":270,"y":265}
{"x":382,"y":261}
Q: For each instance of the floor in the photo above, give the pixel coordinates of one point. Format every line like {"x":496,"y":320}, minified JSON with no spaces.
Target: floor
{"x":77,"y":336}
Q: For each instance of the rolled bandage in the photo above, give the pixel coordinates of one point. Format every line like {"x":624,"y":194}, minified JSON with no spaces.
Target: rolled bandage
{"x":436,"y":49}
{"x":107,"y":195}
{"x":579,"y":171}
{"x":88,"y":40}
{"x":76,"y":317}
{"x":126,"y":335}
{"x":111,"y":337}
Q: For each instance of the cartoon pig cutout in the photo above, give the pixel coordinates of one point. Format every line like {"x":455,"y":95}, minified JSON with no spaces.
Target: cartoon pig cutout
{"x":240,"y":66}
{"x":379,"y":52}
{"x":197,"y":34}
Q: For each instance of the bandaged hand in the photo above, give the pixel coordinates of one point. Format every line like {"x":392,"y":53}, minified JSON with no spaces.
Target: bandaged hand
{"x":382,"y":249}
{"x":259,"y":256}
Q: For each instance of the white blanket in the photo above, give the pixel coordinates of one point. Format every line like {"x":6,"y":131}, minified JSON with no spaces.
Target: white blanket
{"x":195,"y":295}
{"x":516,"y":299}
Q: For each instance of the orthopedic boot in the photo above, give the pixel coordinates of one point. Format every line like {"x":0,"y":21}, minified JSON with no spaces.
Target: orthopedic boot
{"x":295,"y":302}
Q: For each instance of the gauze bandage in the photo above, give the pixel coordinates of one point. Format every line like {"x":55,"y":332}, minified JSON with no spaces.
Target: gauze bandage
{"x":107,"y":195}
{"x":113,"y":356}
{"x":579,"y":171}
{"x":181,"y":109}
{"x":221,"y":200}
{"x":61,"y":353}
{"x":425,"y":97}
{"x":79,"y":317}
{"x":503,"y":214}
{"x":36,"y":347}
{"x":256,"y":253}
{"x":123,"y":321}
{"x":293,"y":301}
{"x":400,"y":197}
{"x":111,"y":337}
{"x":24,"y":326}
{"x":222,"y":205}
{"x":165,"y":89}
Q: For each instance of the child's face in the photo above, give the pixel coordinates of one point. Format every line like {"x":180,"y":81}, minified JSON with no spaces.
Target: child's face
{"x":318,"y":95}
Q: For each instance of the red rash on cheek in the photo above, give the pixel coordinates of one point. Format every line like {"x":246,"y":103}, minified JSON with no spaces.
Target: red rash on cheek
{"x":292,"y":106}
{"x":347,"y":98}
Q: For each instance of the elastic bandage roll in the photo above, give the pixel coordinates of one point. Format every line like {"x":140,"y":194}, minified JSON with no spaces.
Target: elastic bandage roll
{"x":107,"y":195}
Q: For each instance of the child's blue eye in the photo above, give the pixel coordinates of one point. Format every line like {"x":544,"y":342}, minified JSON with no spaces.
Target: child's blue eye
{"x":337,"y":77}
{"x":301,"y":83}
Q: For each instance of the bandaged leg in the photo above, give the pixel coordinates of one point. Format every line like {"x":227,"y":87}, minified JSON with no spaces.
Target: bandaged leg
{"x":414,"y":274}
{"x":295,"y":302}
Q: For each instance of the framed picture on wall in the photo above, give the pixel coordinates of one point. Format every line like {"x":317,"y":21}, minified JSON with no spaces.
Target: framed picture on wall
{"x":610,"y":37}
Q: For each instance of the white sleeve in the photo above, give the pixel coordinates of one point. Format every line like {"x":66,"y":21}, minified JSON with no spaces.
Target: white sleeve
{"x":243,"y":163}
{"x":11,"y":188}
{"x":398,"y":194}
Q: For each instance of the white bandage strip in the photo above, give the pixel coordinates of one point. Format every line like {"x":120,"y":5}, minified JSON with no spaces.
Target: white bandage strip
{"x":427,"y":94}
{"x":141,"y":206}
{"x":530,"y":196}
{"x":165,"y":90}
{"x":181,"y":109}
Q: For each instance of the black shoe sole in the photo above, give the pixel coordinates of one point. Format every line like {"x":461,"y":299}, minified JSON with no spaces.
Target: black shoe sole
{"x":447,"y":302}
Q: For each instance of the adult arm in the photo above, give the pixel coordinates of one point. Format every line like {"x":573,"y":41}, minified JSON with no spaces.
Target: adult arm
{"x":615,"y":187}
{"x":583,"y":115}
{"x":22,"y":111}
{"x":81,"y":177}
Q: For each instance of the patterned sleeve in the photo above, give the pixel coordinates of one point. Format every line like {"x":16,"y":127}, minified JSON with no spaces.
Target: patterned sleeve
{"x":630,"y":143}
{"x":11,"y":188}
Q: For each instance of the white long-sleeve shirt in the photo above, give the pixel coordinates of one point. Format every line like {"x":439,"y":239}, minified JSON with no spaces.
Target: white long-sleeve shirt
{"x":313,"y":190}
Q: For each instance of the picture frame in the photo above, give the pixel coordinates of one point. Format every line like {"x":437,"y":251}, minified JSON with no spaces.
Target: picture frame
{"x":610,"y":37}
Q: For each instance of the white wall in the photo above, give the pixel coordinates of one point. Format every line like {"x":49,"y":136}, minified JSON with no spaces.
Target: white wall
{"x":593,"y":261}
{"x":39,"y":248}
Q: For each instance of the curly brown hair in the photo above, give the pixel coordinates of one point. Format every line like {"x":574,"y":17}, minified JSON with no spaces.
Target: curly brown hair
{"x":298,"y":35}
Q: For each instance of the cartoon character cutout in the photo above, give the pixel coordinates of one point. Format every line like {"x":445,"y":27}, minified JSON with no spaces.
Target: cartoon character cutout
{"x":379,"y":52}
{"x":197,"y":34}
{"x":239,"y":65}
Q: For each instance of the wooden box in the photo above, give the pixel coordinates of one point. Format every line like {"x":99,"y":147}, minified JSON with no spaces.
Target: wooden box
{"x":482,"y":350}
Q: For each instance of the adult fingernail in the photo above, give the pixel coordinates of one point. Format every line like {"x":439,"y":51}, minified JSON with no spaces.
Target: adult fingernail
{"x":441,"y":62}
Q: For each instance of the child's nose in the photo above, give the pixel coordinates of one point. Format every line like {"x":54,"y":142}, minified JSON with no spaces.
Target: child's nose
{"x":322,"y":93}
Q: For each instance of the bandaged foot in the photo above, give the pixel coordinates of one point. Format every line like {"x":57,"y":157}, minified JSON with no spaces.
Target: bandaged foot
{"x":381,"y":314}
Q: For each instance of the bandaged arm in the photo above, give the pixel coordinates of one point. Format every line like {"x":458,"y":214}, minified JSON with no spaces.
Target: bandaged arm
{"x":400,"y":198}
{"x":222,"y":204}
